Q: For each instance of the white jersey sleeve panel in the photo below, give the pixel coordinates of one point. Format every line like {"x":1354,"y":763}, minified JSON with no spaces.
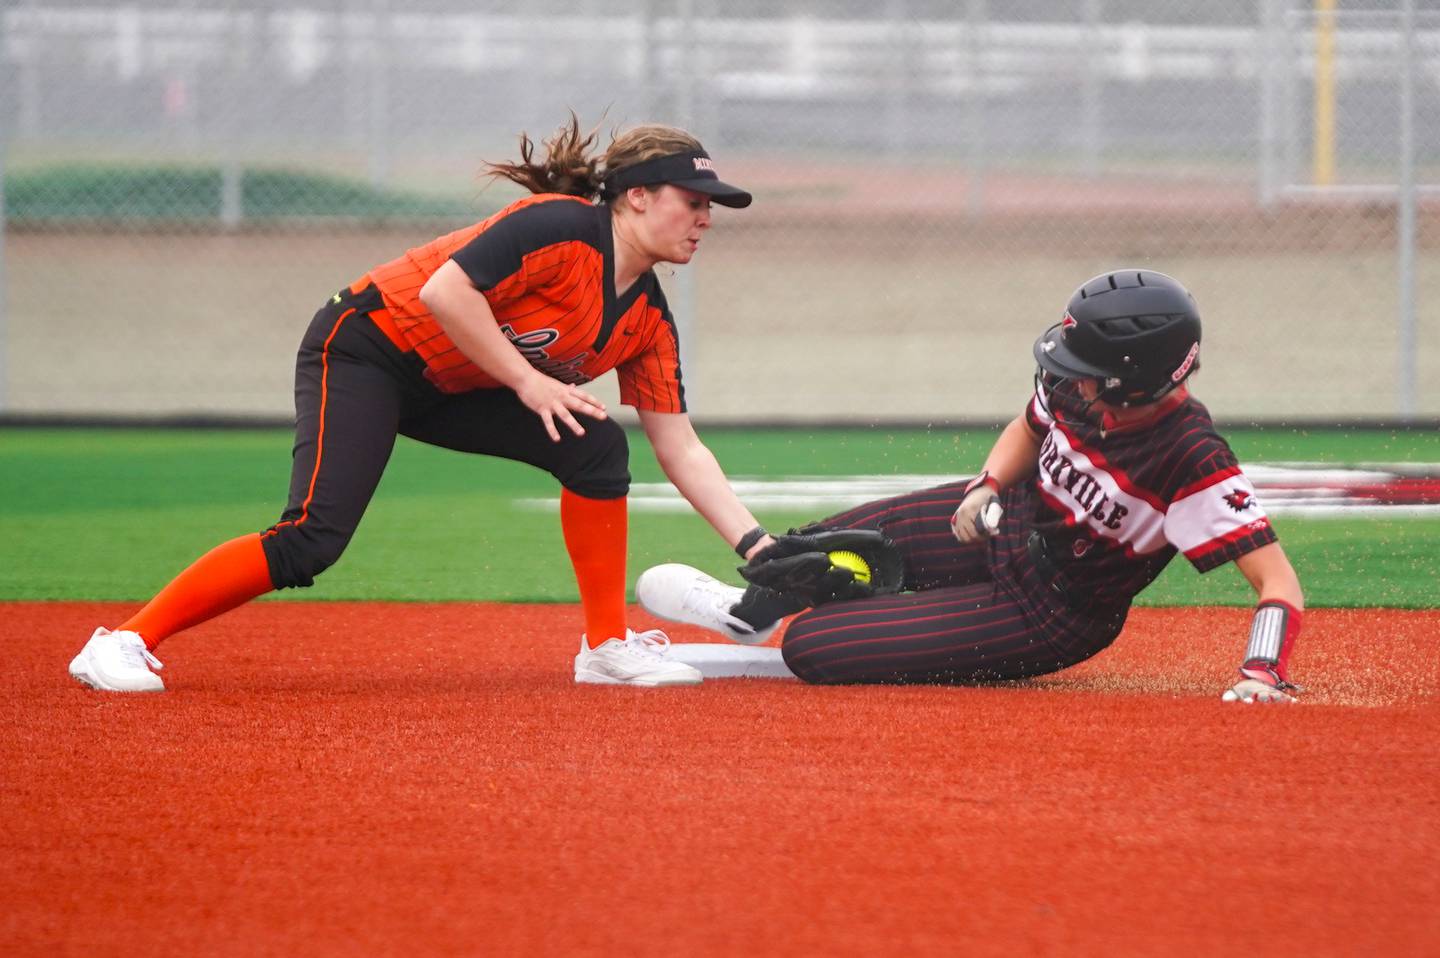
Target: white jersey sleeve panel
{"x":1211,"y":513}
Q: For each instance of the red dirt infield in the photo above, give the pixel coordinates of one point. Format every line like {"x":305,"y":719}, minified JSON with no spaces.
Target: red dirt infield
{"x":377,"y":779}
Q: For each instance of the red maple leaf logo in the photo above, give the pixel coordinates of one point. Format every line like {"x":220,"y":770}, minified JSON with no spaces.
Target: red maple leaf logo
{"x":1239,"y":500}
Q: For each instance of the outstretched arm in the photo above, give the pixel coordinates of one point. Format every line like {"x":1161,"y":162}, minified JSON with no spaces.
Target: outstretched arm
{"x":1011,"y":459}
{"x":1014,"y":454}
{"x":691,"y":466}
{"x":1265,"y":676}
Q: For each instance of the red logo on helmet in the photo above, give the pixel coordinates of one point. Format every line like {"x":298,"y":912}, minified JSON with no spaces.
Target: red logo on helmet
{"x":1184,"y":367}
{"x":1068,"y":322}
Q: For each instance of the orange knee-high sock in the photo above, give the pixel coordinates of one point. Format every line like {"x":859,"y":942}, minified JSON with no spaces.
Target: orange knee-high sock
{"x":595,"y":532}
{"x":228,"y":575}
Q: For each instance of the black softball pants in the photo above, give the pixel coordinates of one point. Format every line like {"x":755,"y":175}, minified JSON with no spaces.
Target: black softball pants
{"x":957,"y":626}
{"x":355,"y":391}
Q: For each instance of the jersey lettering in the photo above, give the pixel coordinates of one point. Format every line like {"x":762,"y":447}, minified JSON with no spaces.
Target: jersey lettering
{"x":532,"y":346}
{"x":1117,"y":512}
{"x":1090,"y":496}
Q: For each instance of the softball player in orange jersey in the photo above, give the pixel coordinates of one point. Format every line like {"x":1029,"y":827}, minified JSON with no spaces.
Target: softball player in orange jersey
{"x":481,"y":341}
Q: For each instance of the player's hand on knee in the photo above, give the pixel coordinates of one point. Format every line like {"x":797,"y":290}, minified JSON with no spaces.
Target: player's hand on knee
{"x":978,"y":517}
{"x":556,"y":403}
{"x":1260,"y":682}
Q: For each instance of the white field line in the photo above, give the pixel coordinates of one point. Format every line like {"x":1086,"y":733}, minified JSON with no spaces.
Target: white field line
{"x":1316,"y":491}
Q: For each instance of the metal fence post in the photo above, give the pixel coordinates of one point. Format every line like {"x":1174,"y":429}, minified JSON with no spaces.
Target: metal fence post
{"x":27,"y":83}
{"x":4,"y":290}
{"x":1322,"y":146}
{"x":898,"y":82}
{"x":1405,"y":214}
{"x":1272,"y":35}
{"x":975,"y":17}
{"x":378,"y":75}
{"x":686,"y":112}
{"x":9,"y":76}
{"x":1289,"y":121}
{"x":1091,"y":118}
{"x":647,"y":35}
{"x":236,"y":118}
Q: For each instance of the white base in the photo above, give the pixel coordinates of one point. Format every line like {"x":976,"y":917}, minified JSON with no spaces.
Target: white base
{"x":717,"y":661}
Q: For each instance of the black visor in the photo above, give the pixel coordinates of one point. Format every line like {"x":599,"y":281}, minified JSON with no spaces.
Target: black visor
{"x":1054,"y":356}
{"x":692,"y":171}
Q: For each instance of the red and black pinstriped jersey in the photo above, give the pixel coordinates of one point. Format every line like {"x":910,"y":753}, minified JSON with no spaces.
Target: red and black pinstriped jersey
{"x":1114,"y":506}
{"x":546,"y":266}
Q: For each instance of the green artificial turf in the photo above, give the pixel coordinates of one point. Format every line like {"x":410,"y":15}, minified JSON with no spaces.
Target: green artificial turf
{"x":113,"y":514}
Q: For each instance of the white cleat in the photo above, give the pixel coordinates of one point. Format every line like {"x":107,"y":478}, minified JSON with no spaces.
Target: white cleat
{"x":681,"y":593}
{"x":117,"y":662}
{"x":639,"y":659}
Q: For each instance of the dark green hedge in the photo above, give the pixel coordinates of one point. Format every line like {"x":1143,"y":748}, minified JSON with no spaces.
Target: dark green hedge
{"x":116,"y":193}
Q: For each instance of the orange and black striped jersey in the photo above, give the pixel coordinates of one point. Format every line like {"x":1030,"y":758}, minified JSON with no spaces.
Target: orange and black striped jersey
{"x":546,"y":266}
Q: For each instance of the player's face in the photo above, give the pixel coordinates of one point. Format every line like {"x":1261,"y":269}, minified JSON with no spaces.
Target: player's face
{"x":1088,"y":389}
{"x":674,"y":220}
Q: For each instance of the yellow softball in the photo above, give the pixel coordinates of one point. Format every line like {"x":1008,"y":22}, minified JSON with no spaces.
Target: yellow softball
{"x":846,"y":559}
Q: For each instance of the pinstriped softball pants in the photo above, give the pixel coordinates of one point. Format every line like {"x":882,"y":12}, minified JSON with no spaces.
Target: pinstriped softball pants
{"x":956,"y":626}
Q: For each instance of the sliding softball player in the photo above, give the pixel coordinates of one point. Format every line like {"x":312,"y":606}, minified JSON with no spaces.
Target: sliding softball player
{"x":1112,"y":470}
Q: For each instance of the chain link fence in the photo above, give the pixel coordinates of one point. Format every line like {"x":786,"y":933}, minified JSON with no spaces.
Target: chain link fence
{"x":185,"y":183}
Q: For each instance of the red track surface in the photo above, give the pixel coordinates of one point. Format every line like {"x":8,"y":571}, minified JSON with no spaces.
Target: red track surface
{"x":380,"y":779}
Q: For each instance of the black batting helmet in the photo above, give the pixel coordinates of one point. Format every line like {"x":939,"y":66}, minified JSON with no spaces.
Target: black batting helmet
{"x":1135,"y":330}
